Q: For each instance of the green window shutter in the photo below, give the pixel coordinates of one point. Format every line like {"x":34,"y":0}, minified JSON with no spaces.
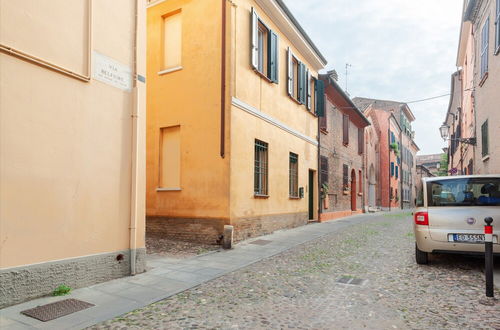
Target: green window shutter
{"x":301,"y":84}
{"x":273,"y":56}
{"x":484,"y":139}
{"x":308,"y":89}
{"x":320,"y":98}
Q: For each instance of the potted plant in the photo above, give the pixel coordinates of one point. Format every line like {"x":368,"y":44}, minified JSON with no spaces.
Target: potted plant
{"x":394,"y":146}
{"x":324,"y":195}
{"x":345,"y":189}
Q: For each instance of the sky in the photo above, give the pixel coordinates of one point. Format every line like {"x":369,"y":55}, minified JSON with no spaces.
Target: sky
{"x":400,"y":50}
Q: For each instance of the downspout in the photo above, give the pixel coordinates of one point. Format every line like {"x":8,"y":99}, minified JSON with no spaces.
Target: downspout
{"x":320,"y":211}
{"x":223,"y":84}
{"x":135,"y":145}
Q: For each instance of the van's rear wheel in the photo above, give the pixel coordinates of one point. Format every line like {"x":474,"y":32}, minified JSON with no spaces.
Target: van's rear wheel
{"x":421,"y":257}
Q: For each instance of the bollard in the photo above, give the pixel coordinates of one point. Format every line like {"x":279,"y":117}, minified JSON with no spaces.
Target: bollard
{"x":488,"y":256}
{"x":227,"y":240}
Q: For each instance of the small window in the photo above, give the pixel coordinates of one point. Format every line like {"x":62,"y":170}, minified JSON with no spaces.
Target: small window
{"x":172,"y":40}
{"x":360,"y":181}
{"x":361,"y":139}
{"x":324,"y":170}
{"x":294,"y":175}
{"x":345,"y":129}
{"x":261,"y":169}
{"x":345,"y":176}
{"x":170,"y":158}
{"x":484,"y":139}
{"x":484,"y":47}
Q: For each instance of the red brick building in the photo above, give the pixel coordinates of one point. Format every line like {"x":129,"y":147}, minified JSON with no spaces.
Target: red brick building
{"x":395,"y":151}
{"x":342,"y":146}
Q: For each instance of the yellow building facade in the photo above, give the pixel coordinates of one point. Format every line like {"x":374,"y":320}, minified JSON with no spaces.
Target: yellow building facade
{"x":231,"y":124}
{"x":72,"y":144}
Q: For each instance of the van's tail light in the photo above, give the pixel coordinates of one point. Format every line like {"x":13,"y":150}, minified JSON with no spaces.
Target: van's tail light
{"x":422,"y":218}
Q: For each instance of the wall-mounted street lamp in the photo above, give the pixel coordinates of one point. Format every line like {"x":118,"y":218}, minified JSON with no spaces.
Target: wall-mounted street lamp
{"x":444,"y":130}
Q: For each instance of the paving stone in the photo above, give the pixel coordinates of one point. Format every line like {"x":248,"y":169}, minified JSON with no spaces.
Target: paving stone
{"x":297,"y":289}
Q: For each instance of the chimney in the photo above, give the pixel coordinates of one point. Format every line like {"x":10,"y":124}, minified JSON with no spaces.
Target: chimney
{"x":333,"y":75}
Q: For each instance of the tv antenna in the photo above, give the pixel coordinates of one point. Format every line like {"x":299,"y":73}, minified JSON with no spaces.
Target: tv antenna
{"x":347,"y":66}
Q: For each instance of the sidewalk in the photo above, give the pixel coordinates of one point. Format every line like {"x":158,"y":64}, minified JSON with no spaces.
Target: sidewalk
{"x":166,"y":278}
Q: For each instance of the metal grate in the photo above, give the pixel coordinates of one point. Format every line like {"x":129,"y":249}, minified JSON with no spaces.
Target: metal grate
{"x":260,"y":170}
{"x":57,"y":309}
{"x":351,"y":280}
{"x":260,"y":242}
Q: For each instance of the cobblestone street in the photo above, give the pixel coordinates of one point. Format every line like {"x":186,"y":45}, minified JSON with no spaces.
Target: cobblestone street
{"x":299,"y":289}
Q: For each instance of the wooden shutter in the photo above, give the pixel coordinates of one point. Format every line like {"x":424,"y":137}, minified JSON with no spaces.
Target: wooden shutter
{"x":361,"y":136}
{"x":308,"y":89}
{"x":345,"y":175}
{"x":273,"y":56}
{"x":484,"y":139}
{"x":345,"y":129}
{"x":289,"y":73}
{"x":301,"y":74}
{"x":324,"y":170}
{"x":254,"y":39}
{"x":320,"y":99}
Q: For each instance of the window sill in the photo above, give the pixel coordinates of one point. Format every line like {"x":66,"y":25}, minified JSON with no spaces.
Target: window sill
{"x":260,"y":196}
{"x":168,"y":189}
{"x":483,"y":80}
{"x":294,"y":197}
{"x":485,"y":158}
{"x":323,"y":130}
{"x":263,"y":76}
{"x":177,"y":68}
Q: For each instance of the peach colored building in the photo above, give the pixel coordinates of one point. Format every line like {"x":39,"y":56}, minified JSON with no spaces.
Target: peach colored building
{"x":232,"y":126}
{"x":473,"y":108}
{"x":72,"y":144}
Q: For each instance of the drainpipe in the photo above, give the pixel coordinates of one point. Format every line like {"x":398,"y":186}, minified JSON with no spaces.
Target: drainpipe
{"x":223,"y":84}
{"x":135,"y":145}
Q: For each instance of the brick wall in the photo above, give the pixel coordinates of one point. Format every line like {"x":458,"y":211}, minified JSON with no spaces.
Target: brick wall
{"x":333,"y":148}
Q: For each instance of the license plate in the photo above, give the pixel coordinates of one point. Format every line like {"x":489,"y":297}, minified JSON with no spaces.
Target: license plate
{"x":468,"y":238}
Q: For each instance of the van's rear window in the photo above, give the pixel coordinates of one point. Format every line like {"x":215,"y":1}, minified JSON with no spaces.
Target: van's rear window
{"x":464,"y":192}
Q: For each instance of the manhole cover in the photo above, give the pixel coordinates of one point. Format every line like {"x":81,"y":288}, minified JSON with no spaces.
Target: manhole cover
{"x":260,"y":242}
{"x":351,"y":280}
{"x":57,"y":309}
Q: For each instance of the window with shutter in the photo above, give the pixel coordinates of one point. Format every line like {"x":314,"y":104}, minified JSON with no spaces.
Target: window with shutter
{"x":345,"y":176}
{"x":396,"y":170}
{"x":324,"y":170}
{"x":361,"y":138}
{"x":345,"y":129}
{"x":484,"y":139}
{"x":320,"y":99}
{"x":392,"y":168}
{"x":484,"y":47}
{"x":289,"y":73}
{"x":264,"y":48}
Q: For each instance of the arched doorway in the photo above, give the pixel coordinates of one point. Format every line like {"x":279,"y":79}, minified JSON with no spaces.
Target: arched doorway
{"x":353,"y":190}
{"x":372,"y":181}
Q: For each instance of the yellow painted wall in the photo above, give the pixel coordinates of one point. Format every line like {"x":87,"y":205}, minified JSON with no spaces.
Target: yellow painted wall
{"x":272,"y":100}
{"x":190,"y":98}
{"x":65,"y":144}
